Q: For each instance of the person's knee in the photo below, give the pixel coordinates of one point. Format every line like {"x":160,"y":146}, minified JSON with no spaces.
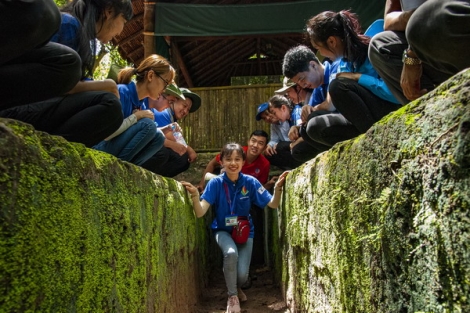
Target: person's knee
{"x":147,"y":123}
{"x":113,"y":109}
{"x":338,"y":86}
{"x":314,"y":129}
{"x":375,"y":56}
{"x":242,"y":276}
{"x":231,"y":256}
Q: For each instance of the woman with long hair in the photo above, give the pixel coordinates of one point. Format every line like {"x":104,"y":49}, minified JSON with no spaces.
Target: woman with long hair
{"x":357,"y":92}
{"x":138,"y":138}
{"x":84,"y":22}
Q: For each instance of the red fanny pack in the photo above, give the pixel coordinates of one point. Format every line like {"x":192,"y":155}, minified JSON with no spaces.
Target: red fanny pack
{"x":241,"y":232}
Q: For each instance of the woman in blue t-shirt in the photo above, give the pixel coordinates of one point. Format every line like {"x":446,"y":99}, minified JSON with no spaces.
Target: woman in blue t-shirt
{"x":232,"y":194}
{"x":138,"y":138}
{"x":357,"y":92}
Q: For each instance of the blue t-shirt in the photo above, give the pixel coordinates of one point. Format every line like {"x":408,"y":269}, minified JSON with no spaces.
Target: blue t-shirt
{"x":246,"y":192}
{"x":296,"y":115}
{"x":163,"y":118}
{"x":319,"y":94}
{"x":129,"y":98}
{"x":369,"y":79}
{"x":68,"y":32}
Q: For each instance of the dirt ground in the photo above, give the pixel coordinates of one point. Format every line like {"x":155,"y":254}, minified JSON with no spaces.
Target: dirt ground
{"x":263,"y":296}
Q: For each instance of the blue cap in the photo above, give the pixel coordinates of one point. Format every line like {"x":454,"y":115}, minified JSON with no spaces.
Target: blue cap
{"x":261,"y":108}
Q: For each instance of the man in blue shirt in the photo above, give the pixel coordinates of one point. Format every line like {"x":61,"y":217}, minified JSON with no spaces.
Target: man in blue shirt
{"x":322,"y":125}
{"x":174,"y":157}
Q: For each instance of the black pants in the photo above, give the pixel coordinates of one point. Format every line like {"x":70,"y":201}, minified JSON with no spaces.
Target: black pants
{"x":357,"y":104}
{"x":324,"y":129}
{"x":283,"y":157}
{"x":86,"y":117}
{"x":167,"y":162}
{"x":305,"y":151}
{"x":31,"y":69}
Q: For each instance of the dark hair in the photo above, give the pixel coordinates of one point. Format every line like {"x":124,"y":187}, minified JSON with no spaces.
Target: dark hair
{"x":344,"y":25}
{"x":297,"y":60}
{"x":260,"y":132}
{"x":277,"y":101}
{"x":229,"y":148}
{"x":88,"y":12}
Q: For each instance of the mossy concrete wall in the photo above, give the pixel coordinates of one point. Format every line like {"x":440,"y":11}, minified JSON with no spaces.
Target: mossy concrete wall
{"x":381,"y":223}
{"x":84,"y":232}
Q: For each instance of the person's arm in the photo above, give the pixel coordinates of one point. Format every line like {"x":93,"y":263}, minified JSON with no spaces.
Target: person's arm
{"x":175,"y":146}
{"x":274,"y":203}
{"x":129,"y":121}
{"x":274,"y":136}
{"x":200,"y":207}
{"x":326,"y":105}
{"x":210,"y":168}
{"x":270,"y":183}
{"x":294,"y":133}
{"x":410,"y":80}
{"x":306,"y":110}
{"x":395,"y":18}
{"x":376,"y":85}
{"x":296,"y":142}
{"x":192,"y":155}
{"x":96,"y":85}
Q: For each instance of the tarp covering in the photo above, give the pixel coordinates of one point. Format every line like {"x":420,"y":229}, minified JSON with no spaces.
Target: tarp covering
{"x":176,"y":19}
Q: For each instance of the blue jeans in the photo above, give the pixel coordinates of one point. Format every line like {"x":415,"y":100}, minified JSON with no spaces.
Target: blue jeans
{"x":237,"y":258}
{"x":137,"y":144}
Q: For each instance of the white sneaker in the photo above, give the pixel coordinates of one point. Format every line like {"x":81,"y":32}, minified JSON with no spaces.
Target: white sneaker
{"x":233,"y":305}
{"x":241,"y":295}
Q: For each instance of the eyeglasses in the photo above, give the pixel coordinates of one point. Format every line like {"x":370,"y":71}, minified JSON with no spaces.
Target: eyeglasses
{"x":169,"y":101}
{"x":164,"y":80}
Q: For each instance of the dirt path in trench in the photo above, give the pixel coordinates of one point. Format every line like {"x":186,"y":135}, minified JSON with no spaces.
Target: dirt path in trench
{"x":263,"y":296}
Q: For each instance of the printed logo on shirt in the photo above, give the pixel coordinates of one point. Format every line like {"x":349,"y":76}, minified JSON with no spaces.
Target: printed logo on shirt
{"x":261,"y":190}
{"x":244,"y":192}
{"x":257,"y":170}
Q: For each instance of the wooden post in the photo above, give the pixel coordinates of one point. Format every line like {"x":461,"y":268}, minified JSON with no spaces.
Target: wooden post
{"x":149,"y":29}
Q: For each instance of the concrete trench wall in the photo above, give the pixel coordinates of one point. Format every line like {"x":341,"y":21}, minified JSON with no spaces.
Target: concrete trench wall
{"x":381,"y":223}
{"x":377,"y":224}
{"x":84,"y":232}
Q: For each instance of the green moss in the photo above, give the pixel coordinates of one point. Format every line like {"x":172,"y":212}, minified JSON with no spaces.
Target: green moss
{"x":85,"y":232}
{"x":380,"y":223}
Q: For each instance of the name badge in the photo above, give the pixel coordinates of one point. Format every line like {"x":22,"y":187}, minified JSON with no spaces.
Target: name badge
{"x":231,"y":220}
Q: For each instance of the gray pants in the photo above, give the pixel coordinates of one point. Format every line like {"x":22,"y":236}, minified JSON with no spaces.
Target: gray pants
{"x":237,"y":258}
{"x":438,"y":32}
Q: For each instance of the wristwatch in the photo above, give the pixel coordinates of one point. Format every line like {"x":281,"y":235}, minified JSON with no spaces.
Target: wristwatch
{"x":409,"y":60}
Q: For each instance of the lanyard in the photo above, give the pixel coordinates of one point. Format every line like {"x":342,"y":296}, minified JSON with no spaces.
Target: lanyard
{"x":227,"y":196}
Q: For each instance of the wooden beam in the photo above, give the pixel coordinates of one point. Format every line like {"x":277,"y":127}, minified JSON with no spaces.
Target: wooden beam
{"x":130,"y":38}
{"x":202,"y":38}
{"x":224,"y":66}
{"x":149,"y":26}
{"x":222,"y":58}
{"x":181,"y":64}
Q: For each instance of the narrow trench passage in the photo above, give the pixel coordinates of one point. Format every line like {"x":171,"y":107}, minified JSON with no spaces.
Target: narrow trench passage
{"x":264,"y":294}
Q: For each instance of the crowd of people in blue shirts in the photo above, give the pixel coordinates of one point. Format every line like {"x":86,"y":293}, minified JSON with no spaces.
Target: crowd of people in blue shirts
{"x":47,"y":59}
{"x":133,"y":118}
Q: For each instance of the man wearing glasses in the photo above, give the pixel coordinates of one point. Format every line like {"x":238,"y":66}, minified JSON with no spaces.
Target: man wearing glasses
{"x":174,"y":157}
{"x":171,"y":94}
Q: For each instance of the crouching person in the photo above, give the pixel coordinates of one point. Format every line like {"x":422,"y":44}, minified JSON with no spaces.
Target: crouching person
{"x":232,"y":195}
